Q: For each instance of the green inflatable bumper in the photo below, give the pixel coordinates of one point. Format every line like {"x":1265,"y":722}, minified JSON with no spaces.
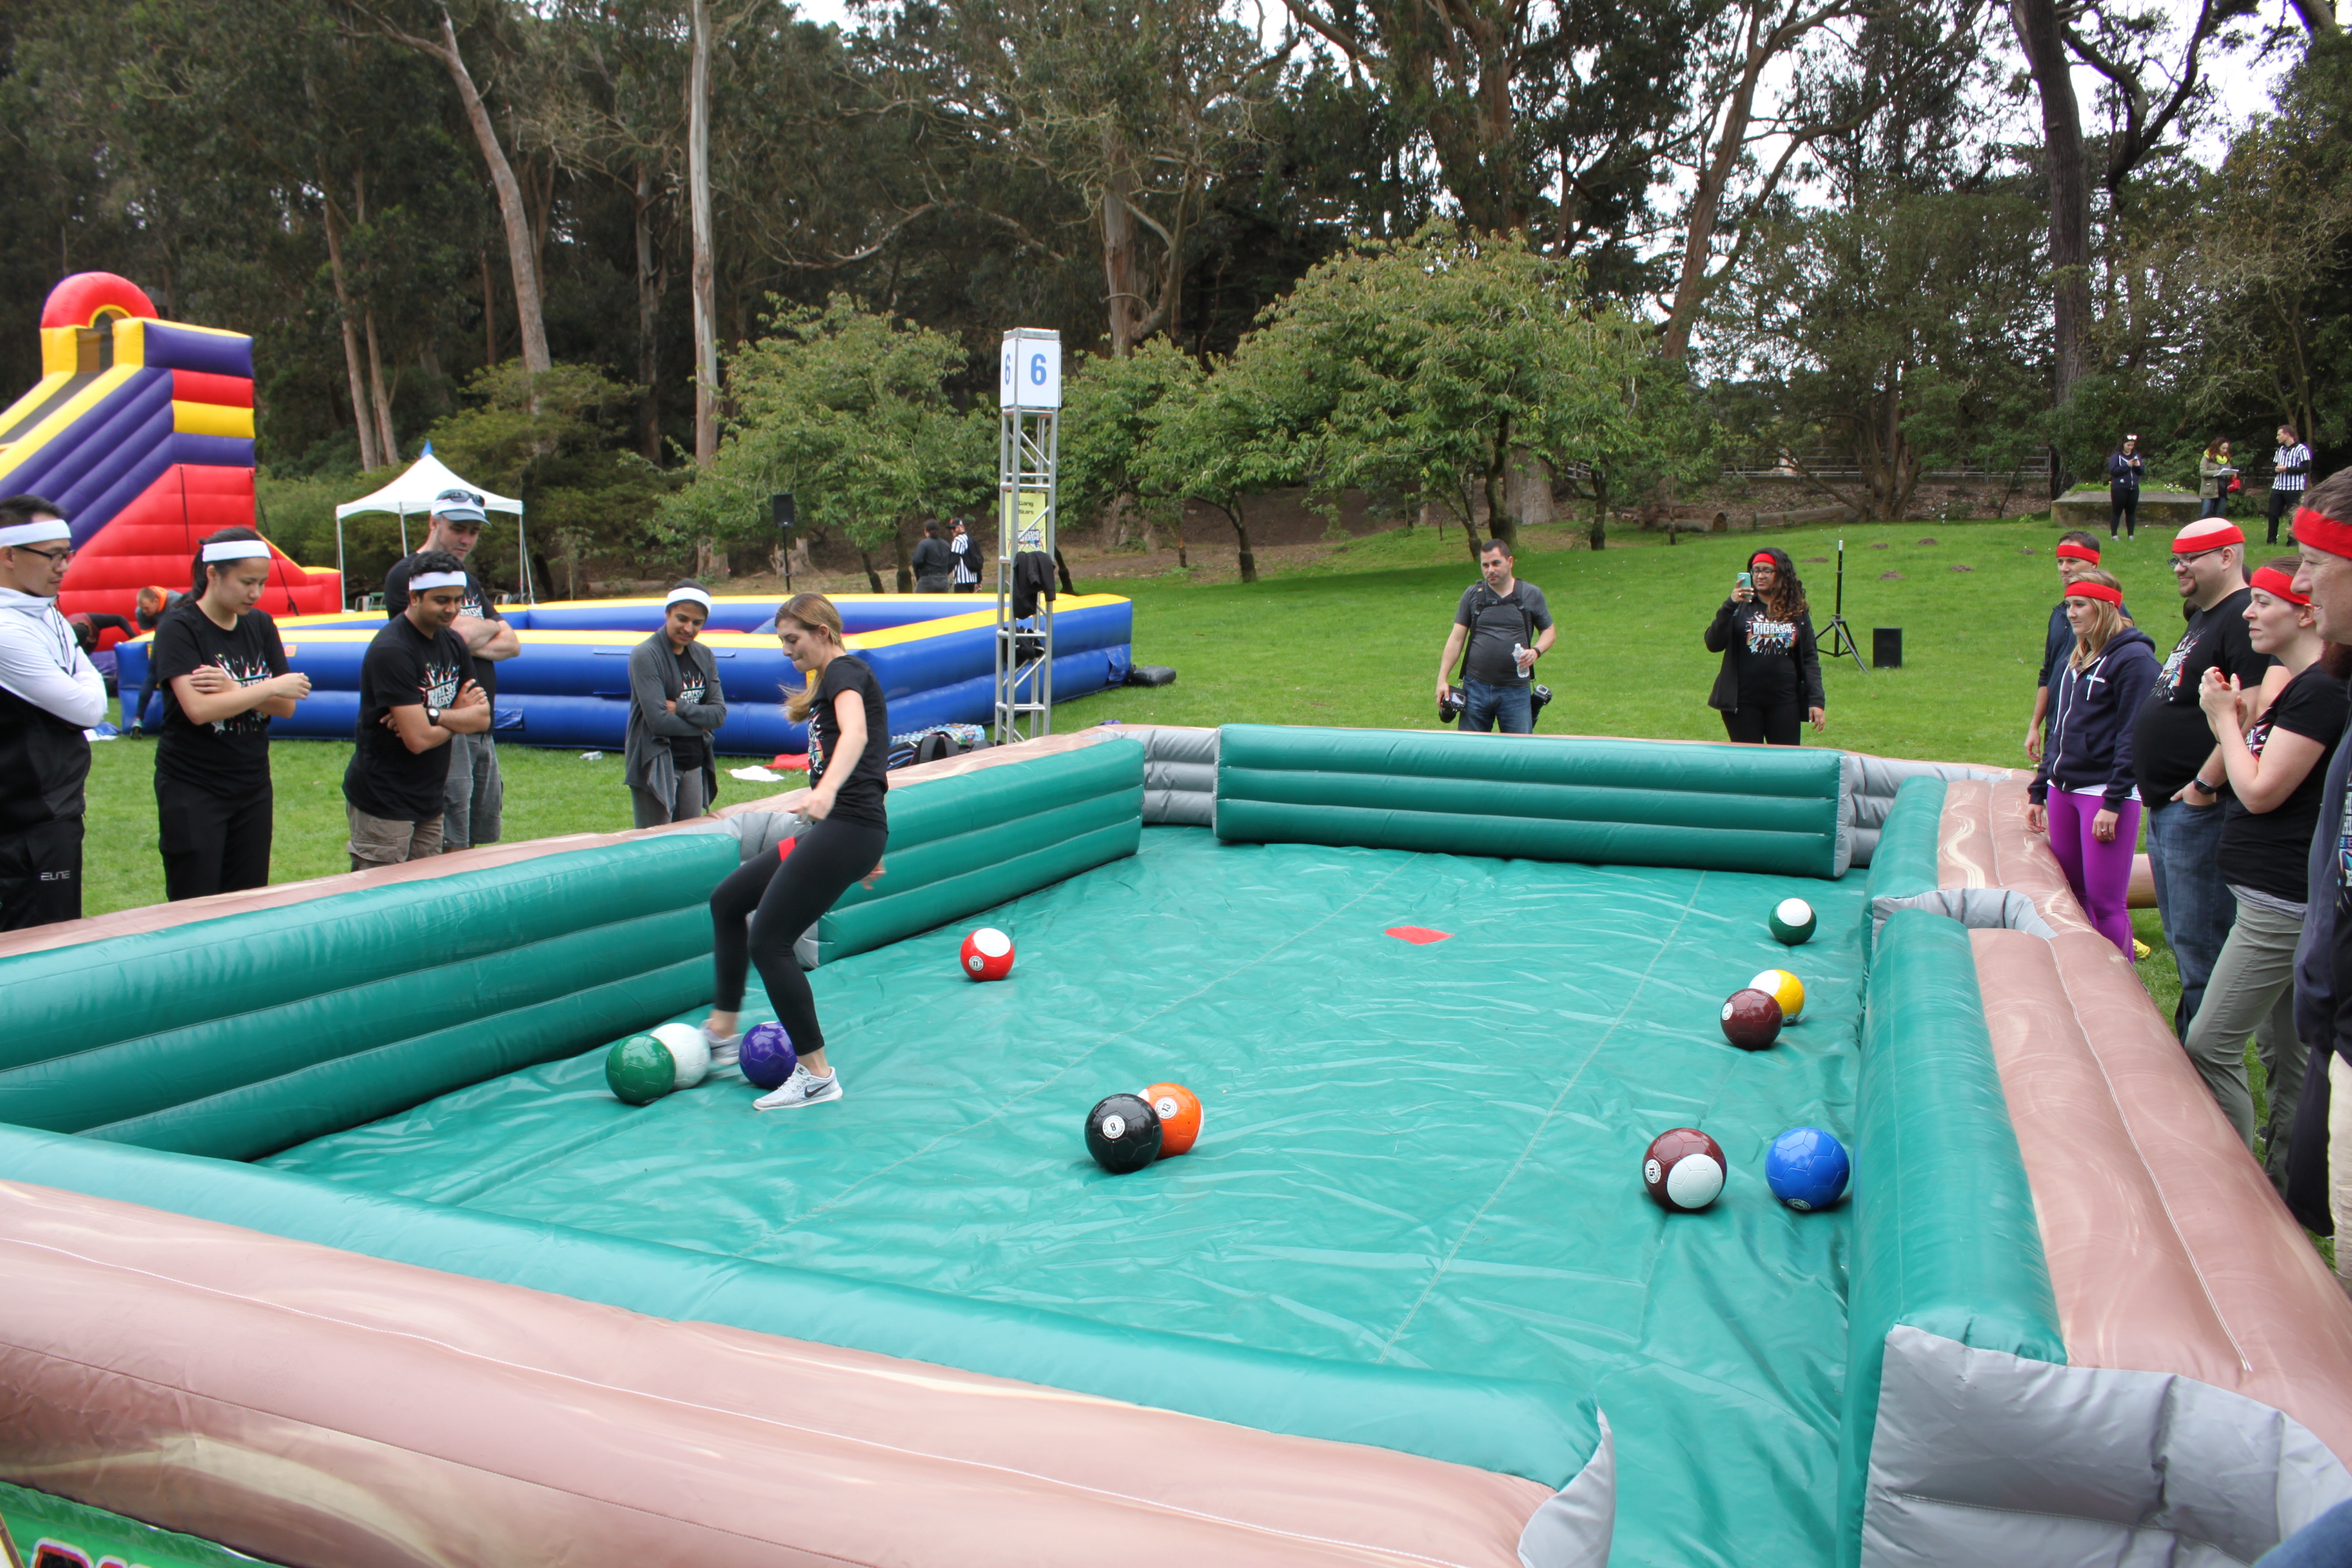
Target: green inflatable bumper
{"x":1623,"y":803}
{"x":1945,"y":1236}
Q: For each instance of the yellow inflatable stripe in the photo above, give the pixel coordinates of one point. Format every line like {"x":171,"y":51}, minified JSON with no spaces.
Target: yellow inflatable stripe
{"x":210,"y":419}
{"x":57,"y":424}
{"x":42,"y":389}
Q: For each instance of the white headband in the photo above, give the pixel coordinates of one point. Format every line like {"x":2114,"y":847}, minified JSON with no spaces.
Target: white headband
{"x":40,"y":530}
{"x":238,"y":550}
{"x":425,"y":580}
{"x":687,"y":596}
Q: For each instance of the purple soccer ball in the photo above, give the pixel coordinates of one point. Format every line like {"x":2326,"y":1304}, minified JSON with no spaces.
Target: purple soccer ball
{"x":768,"y":1055}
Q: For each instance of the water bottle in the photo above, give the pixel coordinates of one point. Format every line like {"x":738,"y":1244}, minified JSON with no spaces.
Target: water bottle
{"x":1518,"y":653}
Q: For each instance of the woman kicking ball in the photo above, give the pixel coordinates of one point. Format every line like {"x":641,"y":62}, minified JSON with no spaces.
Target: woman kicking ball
{"x":761,"y":910}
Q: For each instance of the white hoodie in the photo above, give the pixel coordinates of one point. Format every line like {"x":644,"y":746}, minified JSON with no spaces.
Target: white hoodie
{"x":41,"y":662}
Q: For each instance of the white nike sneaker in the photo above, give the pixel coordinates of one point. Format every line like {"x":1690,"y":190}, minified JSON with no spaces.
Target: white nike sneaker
{"x":726,"y":1051}
{"x":803,"y":1088}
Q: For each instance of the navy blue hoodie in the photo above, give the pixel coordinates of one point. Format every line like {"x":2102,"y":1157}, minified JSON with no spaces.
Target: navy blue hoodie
{"x":2090,"y":718}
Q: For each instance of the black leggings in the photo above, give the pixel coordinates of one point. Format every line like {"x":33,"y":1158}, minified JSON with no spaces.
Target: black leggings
{"x":1778,"y":724}
{"x":780,"y":899}
{"x":212,"y":843}
{"x":2282,"y":504}
{"x":2123,"y":512}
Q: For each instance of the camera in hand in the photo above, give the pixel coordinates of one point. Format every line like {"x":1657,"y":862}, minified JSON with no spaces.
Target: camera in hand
{"x":1450,"y":708}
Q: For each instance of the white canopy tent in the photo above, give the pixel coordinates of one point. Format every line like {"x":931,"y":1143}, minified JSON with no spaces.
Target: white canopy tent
{"x":412,"y":495}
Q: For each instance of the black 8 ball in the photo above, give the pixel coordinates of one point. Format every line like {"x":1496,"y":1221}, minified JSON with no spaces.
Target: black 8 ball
{"x":1123,"y":1133}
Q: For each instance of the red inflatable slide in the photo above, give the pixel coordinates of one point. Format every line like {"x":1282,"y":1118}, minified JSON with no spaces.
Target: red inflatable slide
{"x":141,"y":430}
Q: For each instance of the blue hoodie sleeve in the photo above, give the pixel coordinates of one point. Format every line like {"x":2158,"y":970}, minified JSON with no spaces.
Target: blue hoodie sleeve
{"x":2129,"y":687}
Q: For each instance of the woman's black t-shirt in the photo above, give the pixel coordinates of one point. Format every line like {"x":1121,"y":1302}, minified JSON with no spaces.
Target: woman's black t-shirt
{"x":689,"y":750}
{"x":861,"y":795}
{"x":1766,"y":648}
{"x":2268,"y":851}
{"x":229,"y":756}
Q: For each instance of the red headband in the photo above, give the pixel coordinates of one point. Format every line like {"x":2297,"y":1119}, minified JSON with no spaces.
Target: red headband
{"x":2208,"y":534}
{"x":2095,"y":591}
{"x":2322,"y":532}
{"x":1766,"y":557}
{"x":2278,"y":585}
{"x":2069,"y":550}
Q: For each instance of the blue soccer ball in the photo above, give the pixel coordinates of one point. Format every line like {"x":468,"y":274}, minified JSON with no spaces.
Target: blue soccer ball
{"x":767,"y":1058}
{"x":1807,"y":1168}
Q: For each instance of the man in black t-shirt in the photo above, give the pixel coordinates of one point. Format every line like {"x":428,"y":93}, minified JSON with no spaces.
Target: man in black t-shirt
{"x":474,"y":804}
{"x":1507,"y":626}
{"x":2181,"y":775}
{"x":417,"y":693}
{"x":934,"y":562}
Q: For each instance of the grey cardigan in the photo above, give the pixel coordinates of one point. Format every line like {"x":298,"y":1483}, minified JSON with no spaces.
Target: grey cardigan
{"x":653,"y":682}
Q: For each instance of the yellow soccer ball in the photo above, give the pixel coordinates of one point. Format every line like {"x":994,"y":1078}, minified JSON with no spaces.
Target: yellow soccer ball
{"x":1784,"y":988}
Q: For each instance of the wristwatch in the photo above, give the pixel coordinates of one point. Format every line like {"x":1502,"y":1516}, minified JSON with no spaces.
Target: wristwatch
{"x":432,"y":714}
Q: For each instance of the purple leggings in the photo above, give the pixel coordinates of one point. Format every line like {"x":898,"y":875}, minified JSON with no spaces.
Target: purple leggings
{"x":2099,"y":873}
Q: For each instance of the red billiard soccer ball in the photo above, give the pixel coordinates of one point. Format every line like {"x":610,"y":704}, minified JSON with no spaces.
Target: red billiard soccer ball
{"x":1752,"y":1019}
{"x":988,"y":954}
{"x":1683,"y":1170}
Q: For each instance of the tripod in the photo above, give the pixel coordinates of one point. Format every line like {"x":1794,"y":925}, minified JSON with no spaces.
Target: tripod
{"x":1840,"y":635}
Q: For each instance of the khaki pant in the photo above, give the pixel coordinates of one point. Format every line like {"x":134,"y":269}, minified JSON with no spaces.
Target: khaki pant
{"x":473,"y":806}
{"x":378,"y":841}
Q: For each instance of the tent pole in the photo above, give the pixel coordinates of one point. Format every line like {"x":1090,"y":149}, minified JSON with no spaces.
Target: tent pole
{"x":522,"y":553}
{"x":343,"y":578}
{"x":404,"y":529}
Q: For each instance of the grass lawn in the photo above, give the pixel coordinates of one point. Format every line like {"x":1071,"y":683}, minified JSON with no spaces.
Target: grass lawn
{"x":1354,"y":640}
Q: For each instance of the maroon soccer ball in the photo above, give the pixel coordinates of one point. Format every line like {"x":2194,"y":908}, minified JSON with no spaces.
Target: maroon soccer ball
{"x":1752,"y":1019}
{"x":1683,"y":1170}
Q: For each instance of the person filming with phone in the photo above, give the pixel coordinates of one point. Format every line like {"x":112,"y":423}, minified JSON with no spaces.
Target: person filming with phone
{"x":1770,"y":684}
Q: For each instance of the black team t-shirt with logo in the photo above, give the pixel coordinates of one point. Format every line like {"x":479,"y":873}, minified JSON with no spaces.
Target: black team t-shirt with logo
{"x":477,"y":603}
{"x":229,"y":756}
{"x":2270,"y":851}
{"x":2170,"y":738}
{"x":689,"y":750}
{"x":403,"y":667}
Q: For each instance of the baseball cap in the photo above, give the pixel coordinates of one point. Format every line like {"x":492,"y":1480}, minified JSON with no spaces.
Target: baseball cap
{"x":460,"y":506}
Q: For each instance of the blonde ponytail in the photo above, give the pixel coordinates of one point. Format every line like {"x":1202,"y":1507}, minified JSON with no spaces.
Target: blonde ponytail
{"x":814,"y":613}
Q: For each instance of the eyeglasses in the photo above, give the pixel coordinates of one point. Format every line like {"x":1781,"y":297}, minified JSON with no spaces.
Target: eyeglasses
{"x":2180,"y":560}
{"x":49,"y":555}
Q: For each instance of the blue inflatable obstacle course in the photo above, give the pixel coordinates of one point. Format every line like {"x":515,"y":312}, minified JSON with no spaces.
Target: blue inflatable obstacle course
{"x":934,"y":653}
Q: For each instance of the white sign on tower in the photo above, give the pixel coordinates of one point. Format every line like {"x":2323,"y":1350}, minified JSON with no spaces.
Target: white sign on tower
{"x":1029,"y":370}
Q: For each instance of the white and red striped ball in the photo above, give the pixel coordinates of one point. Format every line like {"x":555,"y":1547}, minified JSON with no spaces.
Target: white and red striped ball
{"x":1683,"y":1170}
{"x":988,"y":954}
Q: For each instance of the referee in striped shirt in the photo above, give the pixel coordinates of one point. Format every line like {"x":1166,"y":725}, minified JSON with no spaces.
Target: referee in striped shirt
{"x":2294,"y":463}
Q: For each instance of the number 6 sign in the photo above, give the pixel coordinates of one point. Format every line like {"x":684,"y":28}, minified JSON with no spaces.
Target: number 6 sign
{"x":1029,"y":370}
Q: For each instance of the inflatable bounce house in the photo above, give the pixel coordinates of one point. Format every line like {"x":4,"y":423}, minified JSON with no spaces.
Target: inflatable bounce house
{"x":935,"y":655}
{"x":324,"y":1237}
{"x":141,"y":431}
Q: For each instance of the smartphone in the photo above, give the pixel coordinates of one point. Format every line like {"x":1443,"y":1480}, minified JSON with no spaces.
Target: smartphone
{"x":1748,"y":581}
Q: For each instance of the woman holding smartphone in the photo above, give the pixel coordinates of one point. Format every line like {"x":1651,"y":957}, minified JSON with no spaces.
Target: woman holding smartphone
{"x":1770,"y":684}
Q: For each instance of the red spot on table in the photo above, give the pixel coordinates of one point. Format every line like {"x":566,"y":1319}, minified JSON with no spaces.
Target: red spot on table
{"x":1420,"y":936}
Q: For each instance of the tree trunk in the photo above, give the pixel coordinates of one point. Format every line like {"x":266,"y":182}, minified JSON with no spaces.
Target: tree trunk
{"x":383,"y":436}
{"x":1600,"y":532}
{"x":489,"y":314}
{"x":369,"y":460}
{"x":872,"y":578}
{"x":1500,"y":523}
{"x":1236,"y":514}
{"x":2036,"y":25}
{"x":698,"y":174}
{"x":649,"y":290}
{"x":1706,"y":211}
{"x":1122,"y":272}
{"x":517,"y":221}
{"x":905,"y":562}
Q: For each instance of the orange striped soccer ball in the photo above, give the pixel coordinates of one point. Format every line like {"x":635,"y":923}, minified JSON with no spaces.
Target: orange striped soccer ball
{"x":1179,"y":1116}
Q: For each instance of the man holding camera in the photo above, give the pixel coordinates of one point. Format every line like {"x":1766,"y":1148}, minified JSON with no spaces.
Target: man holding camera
{"x":1507,"y":626}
